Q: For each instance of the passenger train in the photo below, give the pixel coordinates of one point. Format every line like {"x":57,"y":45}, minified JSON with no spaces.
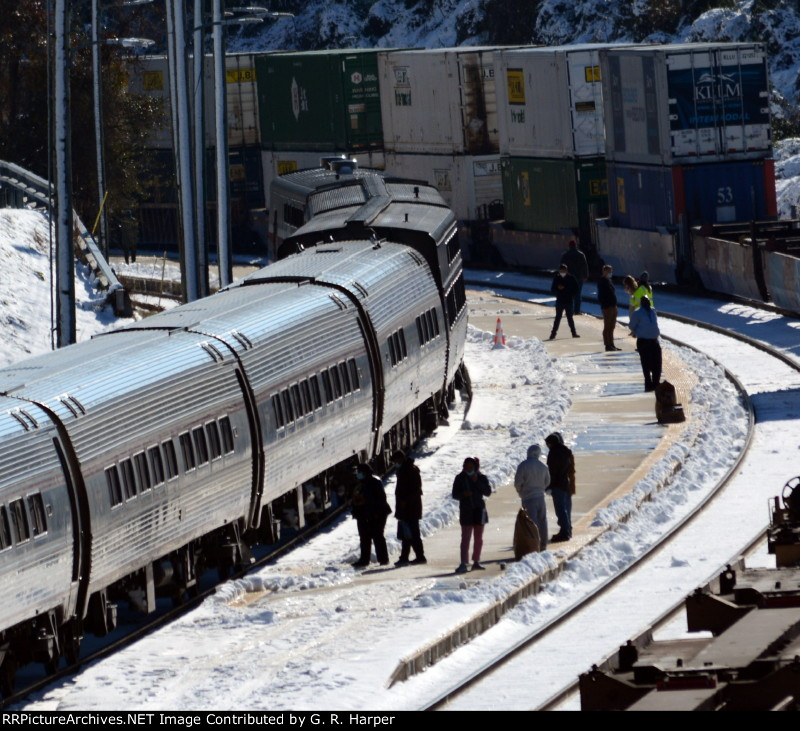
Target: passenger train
{"x":131,"y":462}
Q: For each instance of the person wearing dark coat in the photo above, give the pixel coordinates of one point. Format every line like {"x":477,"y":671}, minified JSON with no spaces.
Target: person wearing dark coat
{"x":469,"y":488}
{"x":408,"y":509}
{"x":561,"y":463}
{"x":576,"y":262}
{"x":644,"y":325}
{"x":370,"y":510}
{"x":608,"y":304}
{"x":564,"y":288}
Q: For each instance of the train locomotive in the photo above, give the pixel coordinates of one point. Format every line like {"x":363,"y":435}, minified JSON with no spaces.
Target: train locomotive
{"x":132,"y":461}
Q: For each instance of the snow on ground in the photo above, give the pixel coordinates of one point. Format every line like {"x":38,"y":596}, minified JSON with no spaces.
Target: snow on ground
{"x":787,"y":177}
{"x":25,"y":289}
{"x":337,"y":648}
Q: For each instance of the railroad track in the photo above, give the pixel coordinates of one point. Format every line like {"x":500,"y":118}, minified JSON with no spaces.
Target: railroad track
{"x":487,"y":676}
{"x":164,"y":617}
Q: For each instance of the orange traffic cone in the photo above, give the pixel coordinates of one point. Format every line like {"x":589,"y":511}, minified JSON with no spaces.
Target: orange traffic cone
{"x":499,"y":338}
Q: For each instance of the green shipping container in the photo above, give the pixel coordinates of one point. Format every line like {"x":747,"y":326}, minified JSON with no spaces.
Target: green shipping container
{"x":554,"y":195}
{"x":319,"y":100}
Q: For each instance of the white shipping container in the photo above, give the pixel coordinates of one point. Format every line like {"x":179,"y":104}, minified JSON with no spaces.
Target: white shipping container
{"x":694,"y":102}
{"x":472,"y":185}
{"x":439,"y":101}
{"x":150,"y":75}
{"x":550,"y":101}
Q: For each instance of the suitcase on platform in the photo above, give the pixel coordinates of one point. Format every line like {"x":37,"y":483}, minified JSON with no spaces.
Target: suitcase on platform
{"x":668,"y":411}
{"x":526,"y":535}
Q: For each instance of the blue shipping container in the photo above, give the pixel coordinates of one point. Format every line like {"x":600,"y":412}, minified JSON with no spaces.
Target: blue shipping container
{"x":652,"y":196}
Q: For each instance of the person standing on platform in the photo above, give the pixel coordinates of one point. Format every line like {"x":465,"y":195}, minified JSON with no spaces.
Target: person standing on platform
{"x":469,"y":488}
{"x":608,"y":304}
{"x":645,"y":289}
{"x":644,"y":326}
{"x":408,"y":509}
{"x":576,"y":262}
{"x":630,"y":285}
{"x":561,"y":463}
{"x":531,"y":480}
{"x":370,"y":510}
{"x":564,"y":287}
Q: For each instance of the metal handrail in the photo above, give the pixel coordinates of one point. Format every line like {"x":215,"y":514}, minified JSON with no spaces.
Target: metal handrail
{"x":39,"y":190}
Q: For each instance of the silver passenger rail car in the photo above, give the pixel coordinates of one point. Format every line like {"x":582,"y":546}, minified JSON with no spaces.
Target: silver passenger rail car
{"x":131,"y":462}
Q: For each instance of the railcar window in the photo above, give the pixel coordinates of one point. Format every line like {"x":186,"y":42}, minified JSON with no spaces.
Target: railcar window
{"x":315,"y":394}
{"x":156,"y":465}
{"x":114,"y":486}
{"x":354,"y":374}
{"x":326,"y":385}
{"x":297,"y":400}
{"x":306,"y":389}
{"x":420,"y":334}
{"x":36,"y":509}
{"x":429,"y":320}
{"x":435,"y":318}
{"x":392,"y":351}
{"x":142,"y":471}
{"x":345,"y":378}
{"x":451,"y":308}
{"x":214,"y":444}
{"x":227,"y":434}
{"x":201,"y":447}
{"x":5,"y":531}
{"x":337,"y":385}
{"x":128,"y":479}
{"x":20,"y":530}
{"x":425,"y":329}
{"x":170,"y":459}
{"x":402,"y":337}
{"x":287,"y":405}
{"x":452,"y":247}
{"x":187,"y":451}
{"x":277,"y":408}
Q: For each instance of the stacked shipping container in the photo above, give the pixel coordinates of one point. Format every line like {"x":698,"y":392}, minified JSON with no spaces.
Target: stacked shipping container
{"x":551,"y":130}
{"x":688,"y":135}
{"x":158,"y":217}
{"x":439,"y":111}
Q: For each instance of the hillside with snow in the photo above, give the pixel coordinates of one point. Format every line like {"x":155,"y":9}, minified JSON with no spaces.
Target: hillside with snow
{"x":25,"y":294}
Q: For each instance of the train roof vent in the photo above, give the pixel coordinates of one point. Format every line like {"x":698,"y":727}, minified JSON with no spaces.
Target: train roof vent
{"x":242,"y":339}
{"x":24,"y":418}
{"x":341,"y":305}
{"x":216,"y":356}
{"x":416,"y":257}
{"x":75,"y":407}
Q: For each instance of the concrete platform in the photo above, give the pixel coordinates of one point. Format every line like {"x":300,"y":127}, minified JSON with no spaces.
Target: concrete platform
{"x":611,"y":428}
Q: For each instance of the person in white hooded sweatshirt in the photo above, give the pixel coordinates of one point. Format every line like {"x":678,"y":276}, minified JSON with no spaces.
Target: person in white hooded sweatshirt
{"x":531,"y":480}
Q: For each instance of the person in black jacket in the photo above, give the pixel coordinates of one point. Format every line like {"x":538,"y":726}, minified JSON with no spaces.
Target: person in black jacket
{"x":561,"y":464}
{"x":469,"y":488}
{"x":370,"y":510}
{"x":408,"y":509}
{"x":576,"y":262}
{"x":564,"y":288}
{"x":608,"y":304}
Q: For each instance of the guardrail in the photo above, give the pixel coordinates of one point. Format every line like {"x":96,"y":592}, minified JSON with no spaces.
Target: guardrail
{"x":20,"y":188}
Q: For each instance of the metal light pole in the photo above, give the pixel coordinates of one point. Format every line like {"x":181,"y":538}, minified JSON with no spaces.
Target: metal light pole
{"x":183,"y":151}
{"x":98,"y":128}
{"x":65,"y":264}
{"x":200,"y":148}
{"x":221,"y":128}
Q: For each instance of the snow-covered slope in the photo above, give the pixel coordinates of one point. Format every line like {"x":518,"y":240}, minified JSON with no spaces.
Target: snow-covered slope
{"x":25,"y":326}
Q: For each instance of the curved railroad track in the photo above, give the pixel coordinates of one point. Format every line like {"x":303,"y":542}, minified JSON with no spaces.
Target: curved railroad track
{"x":486,"y":676}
